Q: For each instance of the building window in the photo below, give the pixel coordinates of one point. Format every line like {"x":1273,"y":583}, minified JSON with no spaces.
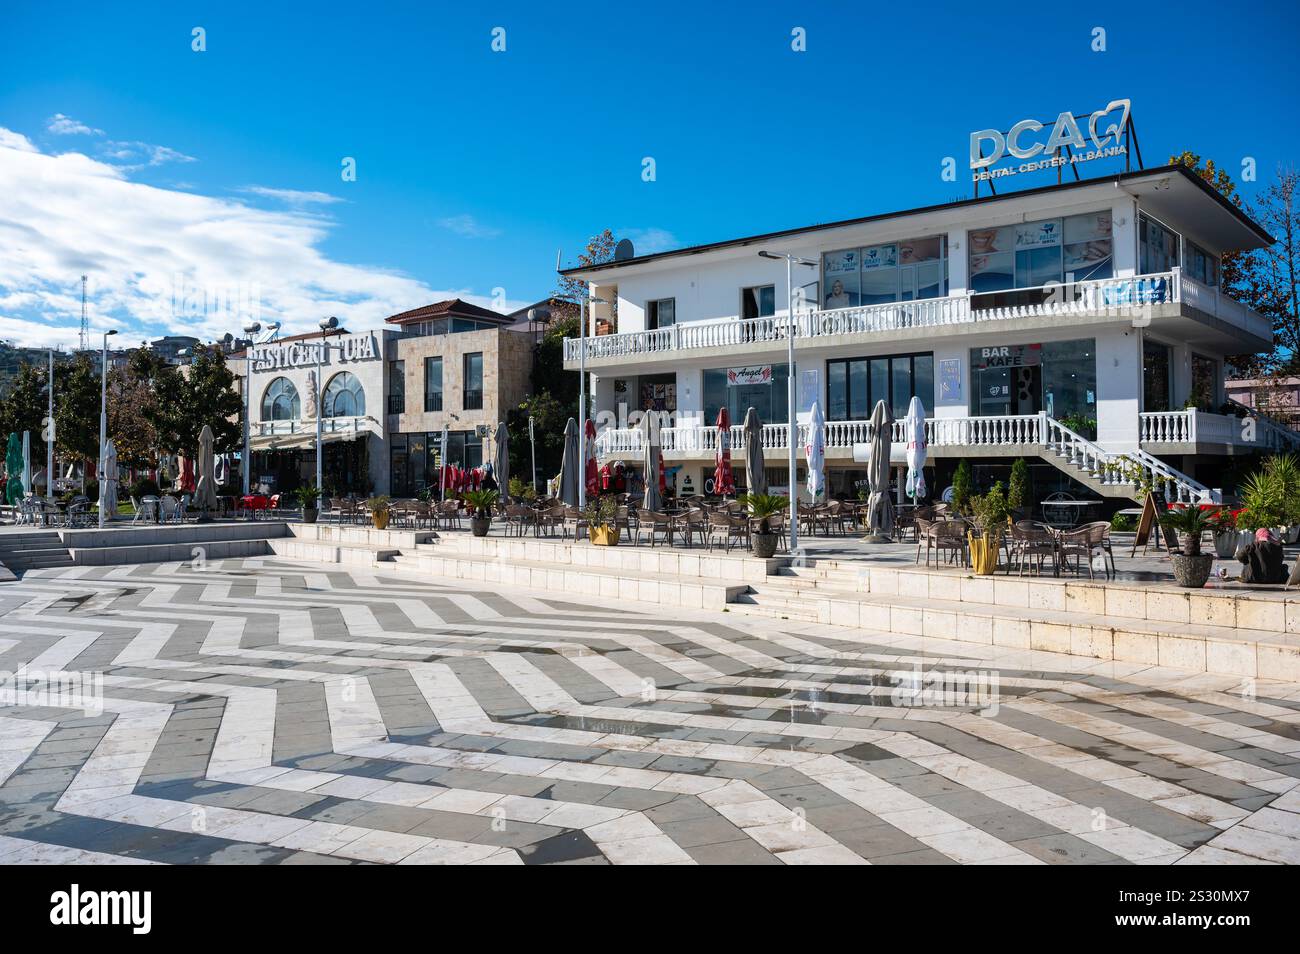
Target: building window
{"x":661,"y":313}
{"x":854,"y":385}
{"x":1157,"y":381}
{"x":1205,"y":381}
{"x":1157,"y":246}
{"x":758,"y":302}
{"x":396,"y":387}
{"x":474,"y":381}
{"x":280,"y":402}
{"x":1200,"y":265}
{"x":433,"y":384}
{"x":763,"y":387}
{"x":896,"y":271}
{"x":1059,"y":378}
{"x":344,"y":396}
{"x":1033,"y":254}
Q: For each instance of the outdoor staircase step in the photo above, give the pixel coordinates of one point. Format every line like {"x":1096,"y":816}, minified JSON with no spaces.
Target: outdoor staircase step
{"x":1199,"y":646}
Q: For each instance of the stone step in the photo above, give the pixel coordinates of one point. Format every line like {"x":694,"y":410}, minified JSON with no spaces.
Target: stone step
{"x":324,"y":551}
{"x":607,"y":584}
{"x":1198,"y":646}
{"x":182,"y":551}
{"x":774,"y":607}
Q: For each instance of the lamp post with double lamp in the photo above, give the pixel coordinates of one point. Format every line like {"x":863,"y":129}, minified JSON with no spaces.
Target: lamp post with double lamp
{"x":539,"y":315}
{"x":49,"y":437}
{"x":326,"y":326}
{"x":584,"y":315}
{"x":103,"y":415}
{"x":790,"y":262}
{"x":249,"y":330}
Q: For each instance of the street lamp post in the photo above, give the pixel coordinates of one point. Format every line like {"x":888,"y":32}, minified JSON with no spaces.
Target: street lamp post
{"x":250,"y":330}
{"x":103,"y":417}
{"x":326,"y":326}
{"x":49,"y":436}
{"x":532,"y":442}
{"x":793,"y":439}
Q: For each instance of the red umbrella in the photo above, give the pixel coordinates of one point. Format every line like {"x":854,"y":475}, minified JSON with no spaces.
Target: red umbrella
{"x":724,"y":483}
{"x":591,"y":470}
{"x":187,"y":475}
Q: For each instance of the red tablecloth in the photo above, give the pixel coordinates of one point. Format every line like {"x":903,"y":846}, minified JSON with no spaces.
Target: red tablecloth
{"x":255,"y":502}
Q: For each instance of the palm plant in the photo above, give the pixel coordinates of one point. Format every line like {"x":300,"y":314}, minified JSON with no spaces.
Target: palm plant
{"x":763,"y":506}
{"x":482,"y":501}
{"x":307,"y":496}
{"x":1189,"y":523}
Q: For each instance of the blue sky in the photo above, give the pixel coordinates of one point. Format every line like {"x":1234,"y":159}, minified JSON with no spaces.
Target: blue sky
{"x":138,"y":160}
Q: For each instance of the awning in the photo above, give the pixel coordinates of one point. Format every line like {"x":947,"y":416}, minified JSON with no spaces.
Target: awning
{"x":301,"y":435}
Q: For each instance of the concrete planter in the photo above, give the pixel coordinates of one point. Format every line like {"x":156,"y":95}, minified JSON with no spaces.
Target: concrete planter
{"x":309,"y":514}
{"x":765,"y":545}
{"x":1192,"y":571}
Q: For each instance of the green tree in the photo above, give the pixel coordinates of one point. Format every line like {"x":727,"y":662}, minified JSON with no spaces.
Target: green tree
{"x":599,"y":250}
{"x":1018,"y":493}
{"x":76,"y":408}
{"x":24,"y":407}
{"x":201,"y":393}
{"x":963,"y":487}
{"x":549,"y":418}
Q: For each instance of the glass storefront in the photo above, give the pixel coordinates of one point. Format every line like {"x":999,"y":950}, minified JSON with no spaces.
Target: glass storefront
{"x":1059,"y":377}
{"x":854,"y":385}
{"x":897,"y":271}
{"x":1033,"y":254}
{"x":1157,"y":246}
{"x":1157,"y":380}
{"x":764,"y":387}
{"x":415,"y":459}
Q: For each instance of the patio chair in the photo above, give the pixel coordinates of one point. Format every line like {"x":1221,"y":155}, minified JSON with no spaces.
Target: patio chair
{"x":148,"y":509}
{"x":729,"y":528}
{"x":652,"y":522}
{"x":1100,"y":541}
{"x":1076,"y":543}
{"x":942,"y":536}
{"x":691,"y":522}
{"x":79,"y":514}
{"x":449,"y":514}
{"x":520,"y":518}
{"x":1055,"y":515}
{"x":1034,"y":543}
{"x":574,"y":516}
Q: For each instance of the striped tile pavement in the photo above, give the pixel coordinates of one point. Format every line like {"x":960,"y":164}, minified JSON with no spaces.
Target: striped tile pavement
{"x":267,"y":711}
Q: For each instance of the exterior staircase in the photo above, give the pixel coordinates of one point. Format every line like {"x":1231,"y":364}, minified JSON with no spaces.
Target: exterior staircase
{"x":33,"y":550}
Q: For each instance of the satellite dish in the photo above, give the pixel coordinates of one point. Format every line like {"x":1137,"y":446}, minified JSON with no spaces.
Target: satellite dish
{"x":623,"y":250}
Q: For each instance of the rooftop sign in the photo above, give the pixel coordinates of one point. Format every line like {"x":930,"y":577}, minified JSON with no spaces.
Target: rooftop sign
{"x":1105,"y":136}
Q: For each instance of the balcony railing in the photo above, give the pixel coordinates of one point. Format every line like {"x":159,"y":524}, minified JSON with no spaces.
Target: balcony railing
{"x":473,"y":400}
{"x":433,"y":401}
{"x":306,"y":425}
{"x":396,"y":403}
{"x":1123,"y":297}
{"x":1191,"y":426}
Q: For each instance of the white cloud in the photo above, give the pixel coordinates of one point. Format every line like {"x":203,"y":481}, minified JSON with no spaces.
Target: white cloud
{"x":62,"y":125}
{"x":649,"y":241}
{"x":139,"y":155}
{"x":468,"y":226}
{"x":292,"y":196}
{"x":162,"y":261}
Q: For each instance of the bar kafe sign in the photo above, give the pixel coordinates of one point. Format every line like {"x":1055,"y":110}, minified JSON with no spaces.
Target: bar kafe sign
{"x":278,"y":356}
{"x":1099,"y":135}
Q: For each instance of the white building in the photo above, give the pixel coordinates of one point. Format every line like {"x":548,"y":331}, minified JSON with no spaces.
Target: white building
{"x":1078,"y":325}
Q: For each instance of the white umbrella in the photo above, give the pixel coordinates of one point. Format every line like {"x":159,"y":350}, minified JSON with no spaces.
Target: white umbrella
{"x":205,"y":493}
{"x":815,"y":453}
{"x":914,"y":434}
{"x":108,"y":481}
{"x":442,"y":471}
{"x":880,"y":509}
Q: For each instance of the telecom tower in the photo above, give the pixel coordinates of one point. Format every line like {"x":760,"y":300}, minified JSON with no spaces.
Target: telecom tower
{"x":85,"y":324}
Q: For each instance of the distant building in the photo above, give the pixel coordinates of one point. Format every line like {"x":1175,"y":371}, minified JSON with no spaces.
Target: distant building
{"x":1278,"y":398}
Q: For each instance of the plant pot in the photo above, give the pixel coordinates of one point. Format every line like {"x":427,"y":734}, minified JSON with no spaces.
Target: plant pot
{"x":1290,"y":534}
{"x":603,"y":536}
{"x":309,"y":514}
{"x":1192,"y":571}
{"x":984,"y":553}
{"x":1187,"y":544}
{"x":479,"y":525}
{"x":1225,"y":543}
{"x":380,"y":519}
{"x":765,"y":545}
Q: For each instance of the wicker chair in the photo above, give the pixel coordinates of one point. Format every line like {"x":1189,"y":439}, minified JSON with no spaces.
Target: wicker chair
{"x":729,"y":528}
{"x":1076,"y":543}
{"x":1033,"y":542}
{"x":652,"y":522}
{"x":1100,"y":542}
{"x":691,"y":522}
{"x":942,"y":536}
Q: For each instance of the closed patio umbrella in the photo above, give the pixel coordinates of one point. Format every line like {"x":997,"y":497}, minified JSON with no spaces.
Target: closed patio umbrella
{"x":501,"y":465}
{"x":724,"y":482}
{"x":108,"y":481}
{"x":568,"y":491}
{"x":815,"y":452}
{"x":442,"y":455}
{"x":590,"y":469}
{"x":880,"y":508}
{"x":205,"y":495}
{"x":914,"y":434}
{"x":652,"y":499}
{"x":27,"y":462}
{"x":755,"y":474}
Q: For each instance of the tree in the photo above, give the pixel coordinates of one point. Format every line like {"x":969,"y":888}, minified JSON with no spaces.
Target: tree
{"x":963,"y":487}
{"x":24,"y":407}
{"x":76,"y":408}
{"x":202,"y":393}
{"x":549,"y":418}
{"x":600,"y":249}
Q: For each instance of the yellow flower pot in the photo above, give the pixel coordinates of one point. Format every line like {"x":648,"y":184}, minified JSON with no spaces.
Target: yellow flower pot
{"x":380,"y":519}
{"x":984,"y":553}
{"x":603,"y":536}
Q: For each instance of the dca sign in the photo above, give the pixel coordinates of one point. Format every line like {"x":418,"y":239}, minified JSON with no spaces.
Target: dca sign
{"x":1104,"y":130}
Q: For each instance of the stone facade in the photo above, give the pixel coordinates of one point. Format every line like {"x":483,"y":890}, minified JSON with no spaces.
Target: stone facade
{"x":507,"y":378}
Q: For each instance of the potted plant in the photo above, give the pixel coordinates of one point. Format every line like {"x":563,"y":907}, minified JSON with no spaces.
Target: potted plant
{"x":1191,"y":567}
{"x":378,"y":507}
{"x":762,"y":507}
{"x":307,"y":497}
{"x":989,"y":512}
{"x":480,"y":503}
{"x":1227,"y":538}
{"x":962,"y":486}
{"x":601,"y":527}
